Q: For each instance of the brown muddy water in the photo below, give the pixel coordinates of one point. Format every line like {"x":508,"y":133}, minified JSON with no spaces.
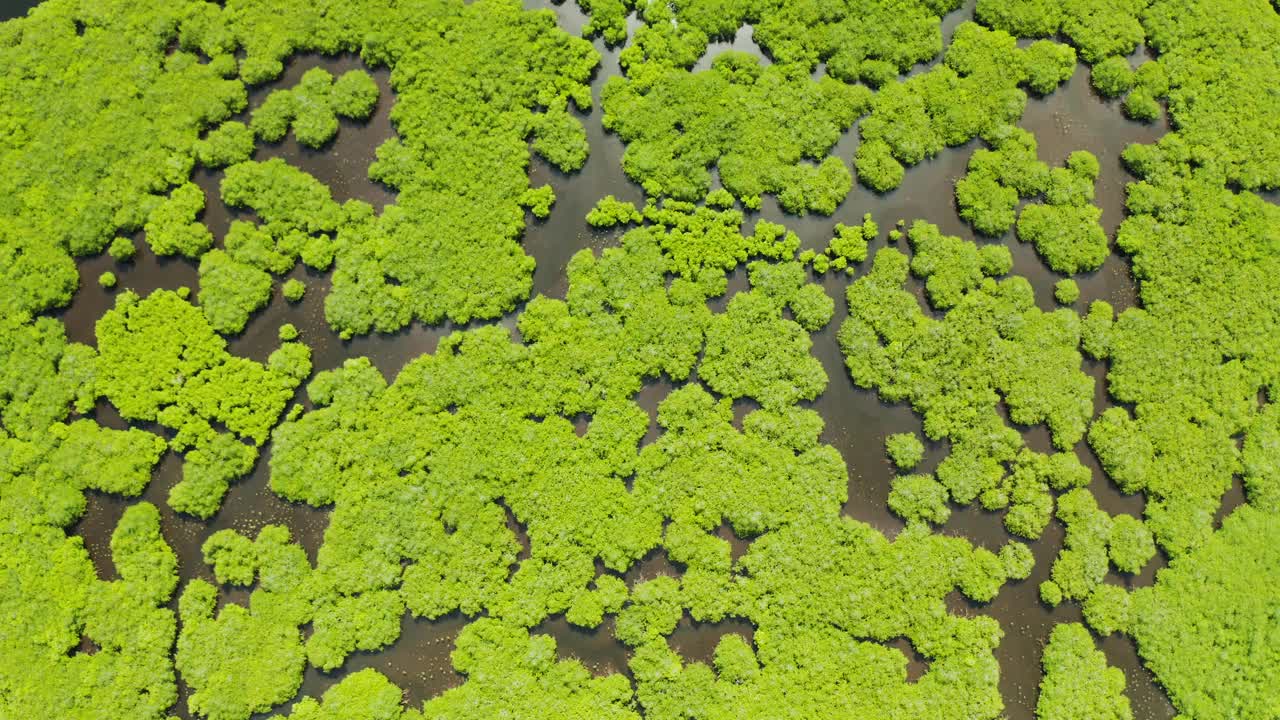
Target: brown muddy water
{"x":857,"y":422}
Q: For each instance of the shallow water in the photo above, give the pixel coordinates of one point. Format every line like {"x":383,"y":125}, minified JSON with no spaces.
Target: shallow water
{"x":857,"y":422}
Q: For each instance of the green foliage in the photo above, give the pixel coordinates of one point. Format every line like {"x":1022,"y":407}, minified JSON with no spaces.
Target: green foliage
{"x":87,"y":455}
{"x":992,"y":346}
{"x":950,"y":266}
{"x":232,"y":556}
{"x":90,"y":158}
{"x":228,"y":144}
{"x":630,"y":314}
{"x":353,"y":95}
{"x":293,"y":289}
{"x":231,"y":291}
{"x":464,"y":112}
{"x":1207,"y":627}
{"x":43,"y":376}
{"x":160,"y":361}
{"x":363,"y":695}
{"x":850,"y":242}
{"x":1260,"y":458}
{"x":1018,"y":560}
{"x":207,"y":472}
{"x":284,"y":197}
{"x":1066,"y":231}
{"x":1189,"y":361}
{"x":672,"y":142}
{"x":919,"y":497}
{"x":105,"y":117}
{"x":510,"y":671}
{"x":905,"y":450}
{"x":238,"y":662}
{"x":1107,"y":609}
{"x":171,"y":226}
{"x":1082,"y":563}
{"x":1130,"y":545}
{"x":973,"y":93}
{"x":1050,"y":593}
{"x":1077,"y":682}
{"x":1066,"y":292}
{"x":1141,"y":106}
{"x":1218,"y":97}
{"x":107,"y":279}
{"x":988,"y":194}
{"x":54,"y":600}
{"x":539,"y":200}
{"x":1112,"y":77}
{"x":122,"y":249}
{"x":823,"y":594}
{"x":311,"y":108}
{"x":609,"y":212}
{"x":872,"y":42}
{"x":752,"y":351}
{"x":1048,"y":65}
{"x":1098,"y":29}
{"x":1096,"y":331}
{"x":288,"y":332}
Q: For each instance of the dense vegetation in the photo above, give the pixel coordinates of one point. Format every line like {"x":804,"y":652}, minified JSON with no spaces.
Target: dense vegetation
{"x":512,"y":476}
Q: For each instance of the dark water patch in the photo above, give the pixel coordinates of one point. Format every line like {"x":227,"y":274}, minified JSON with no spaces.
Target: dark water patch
{"x":1077,"y":118}
{"x":595,"y":648}
{"x":144,"y":274}
{"x":1233,"y":498}
{"x":653,"y":565}
{"x":952,"y":20}
{"x":696,"y":641}
{"x":1074,"y":118}
{"x":917,"y":664}
{"x":520,"y":532}
{"x":248,"y":506}
{"x":418,"y":662}
{"x":1147,"y":699}
{"x":552,"y":242}
{"x":106,"y":415}
{"x":343,"y":163}
{"x":737,"y":546}
{"x":1026,"y":621}
{"x":183,"y":534}
{"x":86,"y":646}
{"x":743,"y":41}
{"x":736,"y":281}
{"x":217,"y":215}
{"x":651,"y":395}
{"x":10,"y":9}
{"x":982,"y":527}
{"x":856,"y":424}
{"x":741,"y":408}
